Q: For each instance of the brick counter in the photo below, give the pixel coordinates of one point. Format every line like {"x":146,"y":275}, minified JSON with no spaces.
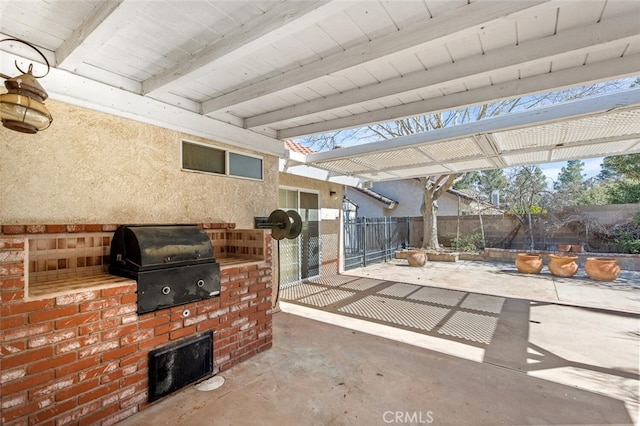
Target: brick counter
{"x":81,"y":357}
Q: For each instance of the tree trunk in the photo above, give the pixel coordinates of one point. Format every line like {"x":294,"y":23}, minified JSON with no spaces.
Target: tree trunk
{"x":531,"y":240}
{"x":429,"y":217}
{"x":429,"y":209}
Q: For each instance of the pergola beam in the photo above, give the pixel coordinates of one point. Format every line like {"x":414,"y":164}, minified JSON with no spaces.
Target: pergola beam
{"x":96,"y":31}
{"x":411,"y":37}
{"x":273,"y":25}
{"x":537,"y":116}
{"x":599,"y":34}
{"x":599,"y":71}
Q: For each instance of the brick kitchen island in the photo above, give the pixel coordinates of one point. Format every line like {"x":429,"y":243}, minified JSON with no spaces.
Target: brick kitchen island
{"x":73,"y":348}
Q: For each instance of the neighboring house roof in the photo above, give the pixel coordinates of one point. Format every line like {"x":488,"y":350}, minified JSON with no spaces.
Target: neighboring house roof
{"x":462,"y":193}
{"x":388,"y":202}
{"x":350,"y":201}
{"x":298,"y":147}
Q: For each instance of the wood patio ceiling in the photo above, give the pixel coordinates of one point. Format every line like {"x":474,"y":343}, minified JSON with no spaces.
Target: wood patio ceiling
{"x":252,"y":73}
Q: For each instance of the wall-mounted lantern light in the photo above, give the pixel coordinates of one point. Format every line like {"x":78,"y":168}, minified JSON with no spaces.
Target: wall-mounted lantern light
{"x":22,"y":107}
{"x":333,"y":195}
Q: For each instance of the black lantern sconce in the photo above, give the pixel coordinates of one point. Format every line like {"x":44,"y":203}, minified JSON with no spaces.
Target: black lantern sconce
{"x":22,"y":107}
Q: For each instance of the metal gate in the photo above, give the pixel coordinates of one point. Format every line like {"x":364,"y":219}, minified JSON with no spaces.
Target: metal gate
{"x":373,"y":240}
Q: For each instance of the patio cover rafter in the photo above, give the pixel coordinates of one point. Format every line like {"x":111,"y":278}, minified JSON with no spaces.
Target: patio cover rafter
{"x":528,"y":52}
{"x":593,"y":127}
{"x":461,"y":19}
{"x":622,"y":67}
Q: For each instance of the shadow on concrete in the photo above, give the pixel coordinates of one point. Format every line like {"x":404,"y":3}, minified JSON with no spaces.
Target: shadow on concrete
{"x":320,"y":374}
{"x":498,"y":325}
{"x":453,"y":315}
{"x":511,"y":346}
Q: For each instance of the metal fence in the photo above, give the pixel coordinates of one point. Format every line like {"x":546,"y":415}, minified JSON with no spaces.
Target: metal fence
{"x":372,"y":240}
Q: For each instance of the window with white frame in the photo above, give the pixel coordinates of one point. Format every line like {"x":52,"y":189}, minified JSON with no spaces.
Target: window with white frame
{"x":209,"y":159}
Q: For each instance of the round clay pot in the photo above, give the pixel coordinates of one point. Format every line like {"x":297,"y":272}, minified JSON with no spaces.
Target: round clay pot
{"x":562,"y":266}
{"x":602,"y":268}
{"x":529,"y":263}
{"x":564,"y":247}
{"x":416,"y":257}
{"x":577,"y":248}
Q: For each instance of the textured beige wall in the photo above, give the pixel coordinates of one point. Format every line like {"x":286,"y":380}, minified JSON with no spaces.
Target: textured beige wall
{"x":91,"y":167}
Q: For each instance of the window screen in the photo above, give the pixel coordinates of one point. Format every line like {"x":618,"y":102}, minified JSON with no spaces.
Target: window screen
{"x":203,"y":158}
{"x":245,"y":166}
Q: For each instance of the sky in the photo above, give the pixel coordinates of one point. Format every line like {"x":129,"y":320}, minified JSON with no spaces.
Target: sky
{"x":591,"y":168}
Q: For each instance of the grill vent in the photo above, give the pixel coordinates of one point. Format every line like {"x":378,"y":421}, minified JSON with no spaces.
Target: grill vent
{"x":175,"y":366}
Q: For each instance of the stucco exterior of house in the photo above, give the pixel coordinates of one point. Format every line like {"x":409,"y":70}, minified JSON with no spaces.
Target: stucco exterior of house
{"x":407,"y":195}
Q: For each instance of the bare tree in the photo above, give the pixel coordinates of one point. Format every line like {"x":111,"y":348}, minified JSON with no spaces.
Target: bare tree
{"x":526,"y":196}
{"x":435,"y":186}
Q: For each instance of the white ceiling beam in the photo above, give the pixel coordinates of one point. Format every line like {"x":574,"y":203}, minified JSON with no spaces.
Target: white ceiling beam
{"x":489,"y":148}
{"x":25,"y":55}
{"x":599,"y":34}
{"x":528,"y":118}
{"x":491,"y":157}
{"x":599,"y":71}
{"x":88,"y":38}
{"x":367,"y":173}
{"x":4,"y":5}
{"x":271,"y":26}
{"x":96,"y":30}
{"x":67,"y":87}
{"x":419,"y":33}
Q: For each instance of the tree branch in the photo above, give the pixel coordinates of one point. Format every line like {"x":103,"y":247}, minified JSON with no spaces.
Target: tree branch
{"x":451,"y":179}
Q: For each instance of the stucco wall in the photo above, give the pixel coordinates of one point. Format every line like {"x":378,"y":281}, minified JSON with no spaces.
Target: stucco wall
{"x":91,"y":167}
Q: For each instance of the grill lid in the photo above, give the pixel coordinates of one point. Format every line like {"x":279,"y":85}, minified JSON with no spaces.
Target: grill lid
{"x":145,"y":247}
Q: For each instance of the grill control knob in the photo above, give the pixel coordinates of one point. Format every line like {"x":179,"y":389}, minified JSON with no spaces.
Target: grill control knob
{"x":166,"y":290}
{"x":200,"y":283}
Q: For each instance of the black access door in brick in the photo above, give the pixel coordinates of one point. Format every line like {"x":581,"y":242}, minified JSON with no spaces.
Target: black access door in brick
{"x":177,"y":365}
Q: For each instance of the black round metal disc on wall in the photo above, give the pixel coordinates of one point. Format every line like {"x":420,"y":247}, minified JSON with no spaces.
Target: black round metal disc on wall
{"x":281,"y":222}
{"x":296,"y":224}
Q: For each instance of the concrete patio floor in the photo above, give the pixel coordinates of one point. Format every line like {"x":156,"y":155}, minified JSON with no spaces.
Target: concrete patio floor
{"x":459,"y":344}
{"x":503,"y":279}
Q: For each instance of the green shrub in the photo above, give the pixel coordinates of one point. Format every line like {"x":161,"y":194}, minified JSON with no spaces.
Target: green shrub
{"x":469,"y":242}
{"x":627,"y":236}
{"x":628,"y":243}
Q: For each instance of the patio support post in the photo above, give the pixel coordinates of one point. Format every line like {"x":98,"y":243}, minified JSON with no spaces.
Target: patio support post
{"x":364,"y":240}
{"x":387,"y":224}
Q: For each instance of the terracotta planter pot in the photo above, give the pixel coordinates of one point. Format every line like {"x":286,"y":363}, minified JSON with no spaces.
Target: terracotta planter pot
{"x":529,"y":263}
{"x":564,"y":247}
{"x":602,"y":268}
{"x":416,"y":257}
{"x":562,"y":266}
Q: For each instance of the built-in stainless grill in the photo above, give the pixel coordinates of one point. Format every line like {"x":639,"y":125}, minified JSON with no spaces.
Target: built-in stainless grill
{"x":173,"y":264}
